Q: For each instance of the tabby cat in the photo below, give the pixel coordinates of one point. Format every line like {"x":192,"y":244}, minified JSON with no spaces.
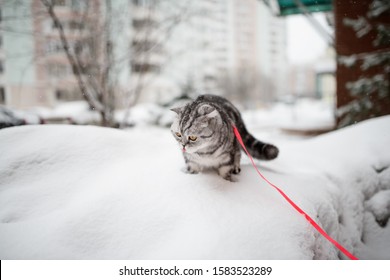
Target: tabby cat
{"x":204,"y":130}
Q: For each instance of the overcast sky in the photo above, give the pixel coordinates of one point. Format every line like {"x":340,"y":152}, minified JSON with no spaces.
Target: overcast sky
{"x":304,"y":44}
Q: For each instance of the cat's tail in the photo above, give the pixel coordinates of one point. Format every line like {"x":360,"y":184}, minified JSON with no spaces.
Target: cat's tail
{"x":257,"y":148}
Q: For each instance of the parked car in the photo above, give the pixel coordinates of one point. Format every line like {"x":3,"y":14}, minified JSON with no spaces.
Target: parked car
{"x":57,"y":120}
{"x":10,"y":117}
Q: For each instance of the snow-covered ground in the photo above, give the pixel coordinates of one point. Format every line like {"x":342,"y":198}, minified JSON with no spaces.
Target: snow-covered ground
{"x":80,"y":192}
{"x":303,"y":114}
{"x":291,"y":121}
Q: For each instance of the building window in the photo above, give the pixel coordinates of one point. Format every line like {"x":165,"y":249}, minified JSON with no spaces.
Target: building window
{"x":57,"y":70}
{"x":146,"y":23}
{"x":53,"y":46}
{"x":146,"y":46}
{"x":137,"y":2}
{"x":2,"y":95}
{"x":76,"y":25}
{"x":56,"y":25}
{"x":144,"y":2}
{"x":58,"y":2}
{"x":79,"y":6}
{"x":144,"y":68}
{"x":68,"y":94}
{"x":60,"y":94}
{"x":88,"y":69}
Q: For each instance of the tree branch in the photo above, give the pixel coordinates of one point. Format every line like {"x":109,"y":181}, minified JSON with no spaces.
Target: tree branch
{"x":73,"y":60}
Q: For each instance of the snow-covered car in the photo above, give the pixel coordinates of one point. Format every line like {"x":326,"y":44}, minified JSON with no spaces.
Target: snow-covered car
{"x":57,"y":120}
{"x":10,"y":117}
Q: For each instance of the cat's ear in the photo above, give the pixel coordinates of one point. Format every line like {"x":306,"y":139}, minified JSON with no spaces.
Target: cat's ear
{"x":176,"y":110}
{"x":209,"y":114}
{"x":206,"y":109}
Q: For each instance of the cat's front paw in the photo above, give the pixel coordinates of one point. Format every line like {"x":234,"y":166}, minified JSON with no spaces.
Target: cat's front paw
{"x":226,"y":172}
{"x":190,"y":170}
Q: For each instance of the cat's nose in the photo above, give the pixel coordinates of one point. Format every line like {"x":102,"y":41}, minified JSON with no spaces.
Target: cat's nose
{"x":184,"y":148}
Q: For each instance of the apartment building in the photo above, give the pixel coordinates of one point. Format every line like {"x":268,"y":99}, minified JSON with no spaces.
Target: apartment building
{"x":230,"y":47}
{"x":259,"y":40}
{"x":38,"y":71}
{"x":158,"y":48}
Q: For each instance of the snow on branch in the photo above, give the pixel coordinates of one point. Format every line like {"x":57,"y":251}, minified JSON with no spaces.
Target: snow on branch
{"x":378,"y":7}
{"x":360,"y":25}
{"x":347,"y":61}
{"x":383,"y":37}
{"x":369,"y":59}
{"x":366,"y":86}
{"x":375,"y":59}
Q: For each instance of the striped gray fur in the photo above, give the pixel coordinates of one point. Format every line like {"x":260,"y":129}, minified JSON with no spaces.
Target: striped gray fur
{"x":204,"y":130}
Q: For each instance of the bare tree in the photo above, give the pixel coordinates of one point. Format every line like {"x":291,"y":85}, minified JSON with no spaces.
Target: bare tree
{"x":107,"y":79}
{"x":97,"y":73}
{"x":151,"y":32}
{"x":90,"y":57}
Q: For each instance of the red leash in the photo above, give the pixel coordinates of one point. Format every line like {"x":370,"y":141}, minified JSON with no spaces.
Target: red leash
{"x":296,"y":207}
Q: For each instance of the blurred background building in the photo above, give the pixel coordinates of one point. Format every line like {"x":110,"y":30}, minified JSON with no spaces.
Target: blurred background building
{"x":161,"y":50}
{"x":37,"y":71}
{"x":113,"y":55}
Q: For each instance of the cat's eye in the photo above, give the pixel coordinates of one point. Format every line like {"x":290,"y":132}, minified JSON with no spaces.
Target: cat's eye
{"x":178,"y":134}
{"x":192,"y":138}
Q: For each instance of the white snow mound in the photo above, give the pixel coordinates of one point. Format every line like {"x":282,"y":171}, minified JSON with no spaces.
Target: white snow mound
{"x":72,"y":192}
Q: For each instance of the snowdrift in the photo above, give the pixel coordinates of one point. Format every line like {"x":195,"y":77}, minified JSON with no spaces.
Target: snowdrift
{"x":72,"y":192}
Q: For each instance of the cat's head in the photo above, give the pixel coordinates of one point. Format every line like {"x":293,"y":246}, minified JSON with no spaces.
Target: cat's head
{"x":194,"y":129}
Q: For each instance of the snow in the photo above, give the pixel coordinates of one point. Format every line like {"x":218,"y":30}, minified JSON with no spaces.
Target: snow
{"x":141,"y":114}
{"x":78,"y":111}
{"x":347,"y":61}
{"x":359,"y":25}
{"x":303,"y":115}
{"x":299,"y":114}
{"x":84,"y":192}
